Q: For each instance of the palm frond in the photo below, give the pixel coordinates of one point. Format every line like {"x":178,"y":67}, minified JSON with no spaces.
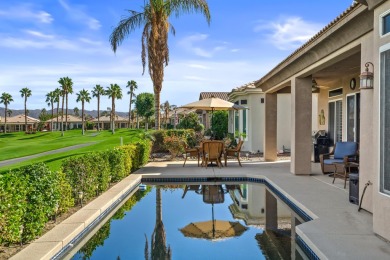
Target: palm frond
{"x":125,"y":27}
{"x":179,"y":7}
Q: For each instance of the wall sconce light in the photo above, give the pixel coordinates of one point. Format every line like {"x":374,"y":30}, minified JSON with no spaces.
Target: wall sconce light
{"x":367,"y":77}
{"x":81,"y":196}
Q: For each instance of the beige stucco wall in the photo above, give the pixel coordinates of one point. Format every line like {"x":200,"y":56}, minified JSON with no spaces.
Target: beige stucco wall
{"x":284,"y":121}
{"x":255,"y":139}
{"x":381,"y":207}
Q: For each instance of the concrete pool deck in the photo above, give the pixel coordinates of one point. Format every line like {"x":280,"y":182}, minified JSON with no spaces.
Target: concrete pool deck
{"x":337,"y":231}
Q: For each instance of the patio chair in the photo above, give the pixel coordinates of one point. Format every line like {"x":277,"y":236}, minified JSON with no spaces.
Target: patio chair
{"x":191,"y":152}
{"x":234,"y":152}
{"x":212,"y":152}
{"x":338,"y":159}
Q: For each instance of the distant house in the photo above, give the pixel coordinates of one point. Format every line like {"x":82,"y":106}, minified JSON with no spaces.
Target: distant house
{"x":74,"y":122}
{"x":120,"y":122}
{"x":17,"y":123}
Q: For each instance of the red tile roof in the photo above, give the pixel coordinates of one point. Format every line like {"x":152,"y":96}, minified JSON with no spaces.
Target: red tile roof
{"x":221,"y":95}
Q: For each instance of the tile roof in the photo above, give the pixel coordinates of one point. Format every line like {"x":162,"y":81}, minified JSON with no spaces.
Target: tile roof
{"x":19,"y":119}
{"x":107,"y":119}
{"x":71,"y":118}
{"x":221,"y":95}
{"x":243,"y":87}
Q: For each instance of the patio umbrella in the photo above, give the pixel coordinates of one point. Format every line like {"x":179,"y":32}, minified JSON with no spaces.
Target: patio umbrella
{"x":212,"y":104}
{"x":213,"y":229}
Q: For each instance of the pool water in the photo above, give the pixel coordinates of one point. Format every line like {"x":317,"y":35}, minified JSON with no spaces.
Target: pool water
{"x":196,"y":221}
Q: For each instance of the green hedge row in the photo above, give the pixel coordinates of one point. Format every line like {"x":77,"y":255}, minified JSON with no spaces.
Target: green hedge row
{"x":33,"y":194}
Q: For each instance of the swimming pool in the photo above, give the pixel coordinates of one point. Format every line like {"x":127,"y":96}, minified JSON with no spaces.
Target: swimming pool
{"x":198,"y":221}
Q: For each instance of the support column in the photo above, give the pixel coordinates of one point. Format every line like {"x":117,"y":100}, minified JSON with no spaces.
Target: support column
{"x":271,"y":211}
{"x":270,"y":131}
{"x":301,"y":142}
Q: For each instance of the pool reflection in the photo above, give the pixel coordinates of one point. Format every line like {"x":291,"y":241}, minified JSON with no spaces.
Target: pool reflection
{"x":201,"y":221}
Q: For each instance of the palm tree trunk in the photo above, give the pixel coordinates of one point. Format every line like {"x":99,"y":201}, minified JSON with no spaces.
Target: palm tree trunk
{"x":66,"y":113}
{"x":98,"y":127}
{"x":131,"y":97}
{"x":82,"y":117}
{"x":5,"y":119}
{"x":52,"y":115}
{"x":25,"y":113}
{"x":62,"y":116}
{"x":157,"y":109}
{"x":113,"y":115}
{"x":58,"y":110}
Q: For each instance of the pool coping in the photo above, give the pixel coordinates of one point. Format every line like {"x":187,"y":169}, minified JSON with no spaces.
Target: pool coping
{"x":58,"y":241}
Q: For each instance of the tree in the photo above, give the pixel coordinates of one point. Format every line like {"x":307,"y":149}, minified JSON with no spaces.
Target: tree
{"x":57,"y":94}
{"x":26,"y":93}
{"x":5,"y":99}
{"x":97,"y":92}
{"x":190,"y":121}
{"x":219,"y":124}
{"x":145,"y":106}
{"x":9,"y":112}
{"x":50,"y":99}
{"x":67,"y":88}
{"x":76,"y":111}
{"x":154,"y":18}
{"x":132,"y":85}
{"x":167,"y":109}
{"x":83,"y":96}
{"x":114,"y":91}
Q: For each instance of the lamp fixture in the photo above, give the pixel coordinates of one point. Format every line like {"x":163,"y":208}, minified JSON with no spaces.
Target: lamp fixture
{"x":367,"y":77}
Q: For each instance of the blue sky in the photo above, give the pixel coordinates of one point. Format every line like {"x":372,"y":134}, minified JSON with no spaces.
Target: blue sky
{"x":44,"y":40}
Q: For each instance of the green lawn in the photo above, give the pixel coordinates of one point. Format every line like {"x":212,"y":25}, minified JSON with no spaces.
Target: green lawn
{"x":15,"y":145}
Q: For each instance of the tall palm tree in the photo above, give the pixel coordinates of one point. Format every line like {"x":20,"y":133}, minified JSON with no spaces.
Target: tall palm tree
{"x":83,"y":96}
{"x":97,"y":92}
{"x":154,"y":18}
{"x":114,"y":91}
{"x":67,"y":88}
{"x":167,"y":109}
{"x":57,"y":94}
{"x":132,"y":85}
{"x":26,"y":93}
{"x":5,"y":99}
{"x":50,"y":99}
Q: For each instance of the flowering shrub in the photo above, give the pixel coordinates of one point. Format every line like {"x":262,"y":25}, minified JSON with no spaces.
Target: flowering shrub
{"x":175,"y":144}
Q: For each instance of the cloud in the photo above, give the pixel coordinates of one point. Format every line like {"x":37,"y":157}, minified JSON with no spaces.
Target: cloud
{"x":288,"y":33}
{"x":77,"y":14}
{"x":192,"y":44}
{"x":198,"y":66}
{"x":39,"y":34}
{"x":26,"y":12}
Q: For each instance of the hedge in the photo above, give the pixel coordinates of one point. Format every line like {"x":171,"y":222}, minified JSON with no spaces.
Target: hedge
{"x":31,"y":195}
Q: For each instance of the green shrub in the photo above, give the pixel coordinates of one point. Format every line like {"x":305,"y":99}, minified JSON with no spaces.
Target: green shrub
{"x":219,"y":124}
{"x":116,"y":160}
{"x":159,"y":146}
{"x":66,"y":199}
{"x":175,"y":144}
{"x":80,"y":175}
{"x":13,"y":190}
{"x":43,"y":194}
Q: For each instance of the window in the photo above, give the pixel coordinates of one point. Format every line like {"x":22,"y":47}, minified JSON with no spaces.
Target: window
{"x":244,"y":121}
{"x":335,"y":126}
{"x":353,"y":117}
{"x":236,"y":122}
{"x":386,"y":24}
{"x":244,"y":102}
{"x":385,"y":121}
{"x":336,"y":92}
